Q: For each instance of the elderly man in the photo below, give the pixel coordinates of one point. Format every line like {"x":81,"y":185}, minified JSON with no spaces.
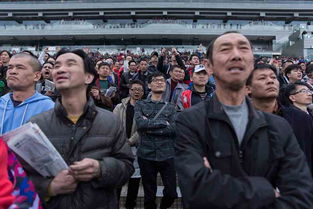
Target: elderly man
{"x":229,"y":155}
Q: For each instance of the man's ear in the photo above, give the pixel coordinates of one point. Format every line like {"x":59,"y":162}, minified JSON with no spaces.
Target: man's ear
{"x":292,"y":98}
{"x":89,"y":78}
{"x":37,"y":76}
{"x":208,"y":66}
{"x":149,"y":85}
{"x":248,"y":90}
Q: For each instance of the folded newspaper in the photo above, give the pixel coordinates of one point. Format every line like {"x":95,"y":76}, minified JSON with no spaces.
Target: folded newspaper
{"x":31,"y":144}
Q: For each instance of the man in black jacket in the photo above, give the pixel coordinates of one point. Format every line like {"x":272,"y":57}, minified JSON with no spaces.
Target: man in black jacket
{"x":91,"y":141}
{"x":228,"y":155}
{"x":263,"y":89}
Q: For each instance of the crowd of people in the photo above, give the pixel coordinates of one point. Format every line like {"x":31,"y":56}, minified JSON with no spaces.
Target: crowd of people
{"x":236,"y":130}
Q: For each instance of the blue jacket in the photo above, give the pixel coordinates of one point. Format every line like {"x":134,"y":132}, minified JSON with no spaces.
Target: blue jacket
{"x":13,"y":117}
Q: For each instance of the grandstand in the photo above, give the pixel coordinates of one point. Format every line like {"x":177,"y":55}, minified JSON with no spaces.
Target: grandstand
{"x":144,"y":23}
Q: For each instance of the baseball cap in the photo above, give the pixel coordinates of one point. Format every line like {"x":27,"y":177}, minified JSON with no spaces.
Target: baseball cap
{"x":198,"y":68}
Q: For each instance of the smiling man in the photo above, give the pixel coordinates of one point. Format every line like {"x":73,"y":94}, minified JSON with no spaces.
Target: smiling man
{"x":229,"y":155}
{"x":90,"y":139}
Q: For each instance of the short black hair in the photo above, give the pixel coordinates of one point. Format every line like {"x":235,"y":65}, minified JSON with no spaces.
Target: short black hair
{"x":309,"y":69}
{"x":288,"y":90}
{"x":136,"y":81}
{"x":104,"y":64}
{"x":291,"y":67}
{"x":193,"y":55}
{"x":47,"y":62}
{"x":175,"y":66}
{"x":285,"y":61}
{"x":154,"y":75}
{"x":30,"y":53}
{"x":131,"y":62}
{"x":260,"y":66}
{"x":209,"y":52}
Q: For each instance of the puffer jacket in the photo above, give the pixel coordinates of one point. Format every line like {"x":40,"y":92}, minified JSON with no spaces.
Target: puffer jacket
{"x":242,"y":176}
{"x":98,"y":134}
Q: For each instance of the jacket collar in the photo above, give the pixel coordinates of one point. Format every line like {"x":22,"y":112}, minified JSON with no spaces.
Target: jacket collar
{"x":89,"y":112}
{"x":256,"y":118}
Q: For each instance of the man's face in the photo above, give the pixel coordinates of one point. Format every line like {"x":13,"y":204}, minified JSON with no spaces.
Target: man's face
{"x":173,"y":60}
{"x":132,"y":67}
{"x":143,"y":66}
{"x":157,"y":85}
{"x":154,"y":58}
{"x":128,"y":58}
{"x":264,"y":84}
{"x":68,"y":72}
{"x":177,"y":74}
{"x":46,"y":71}
{"x":295,"y":74}
{"x":104,"y":71}
{"x":286,"y":64}
{"x":303,"y":66}
{"x":20,"y":74}
{"x":200,"y":78}
{"x":136,"y":91}
{"x":302,"y":95}
{"x":4,"y":57}
{"x":232,"y":60}
{"x":195,"y":60}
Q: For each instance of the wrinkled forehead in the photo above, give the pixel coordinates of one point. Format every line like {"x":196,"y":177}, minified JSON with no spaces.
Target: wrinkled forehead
{"x":231,"y":39}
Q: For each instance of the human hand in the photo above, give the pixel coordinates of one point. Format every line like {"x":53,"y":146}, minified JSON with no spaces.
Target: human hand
{"x":207,"y":163}
{"x":277,"y":193}
{"x":86,"y":169}
{"x":174,"y":51}
{"x":63,"y":183}
{"x":95,"y":93}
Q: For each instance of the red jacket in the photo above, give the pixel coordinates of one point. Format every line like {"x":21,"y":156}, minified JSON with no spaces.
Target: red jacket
{"x":6,"y":197}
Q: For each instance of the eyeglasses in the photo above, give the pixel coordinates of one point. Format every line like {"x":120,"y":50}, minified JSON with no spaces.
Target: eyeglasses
{"x":158,"y":80}
{"x":303,"y":91}
{"x":135,"y":89}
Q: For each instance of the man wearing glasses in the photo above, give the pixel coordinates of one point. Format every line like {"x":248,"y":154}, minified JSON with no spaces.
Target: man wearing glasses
{"x":125,"y":111}
{"x":155,"y":125}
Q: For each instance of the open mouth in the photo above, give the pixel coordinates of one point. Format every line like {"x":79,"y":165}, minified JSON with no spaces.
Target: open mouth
{"x":235,"y":69}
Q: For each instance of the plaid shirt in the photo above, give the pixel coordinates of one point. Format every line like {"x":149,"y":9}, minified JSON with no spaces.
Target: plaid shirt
{"x":157,"y":136}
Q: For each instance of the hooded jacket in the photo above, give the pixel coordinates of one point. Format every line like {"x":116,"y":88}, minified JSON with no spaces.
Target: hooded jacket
{"x":13,"y":117}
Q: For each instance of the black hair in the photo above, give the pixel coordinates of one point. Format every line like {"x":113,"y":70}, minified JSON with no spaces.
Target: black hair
{"x":291,"y":67}
{"x":30,"y":53}
{"x":104,"y":64}
{"x":284,"y":62}
{"x":288,"y":90}
{"x":193,"y":55}
{"x":47,"y":62}
{"x":309,"y":69}
{"x":209,"y":52}
{"x":131,"y":62}
{"x":9,"y":53}
{"x":175,"y":66}
{"x":154,"y":75}
{"x":260,"y":66}
{"x":136,"y":81}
